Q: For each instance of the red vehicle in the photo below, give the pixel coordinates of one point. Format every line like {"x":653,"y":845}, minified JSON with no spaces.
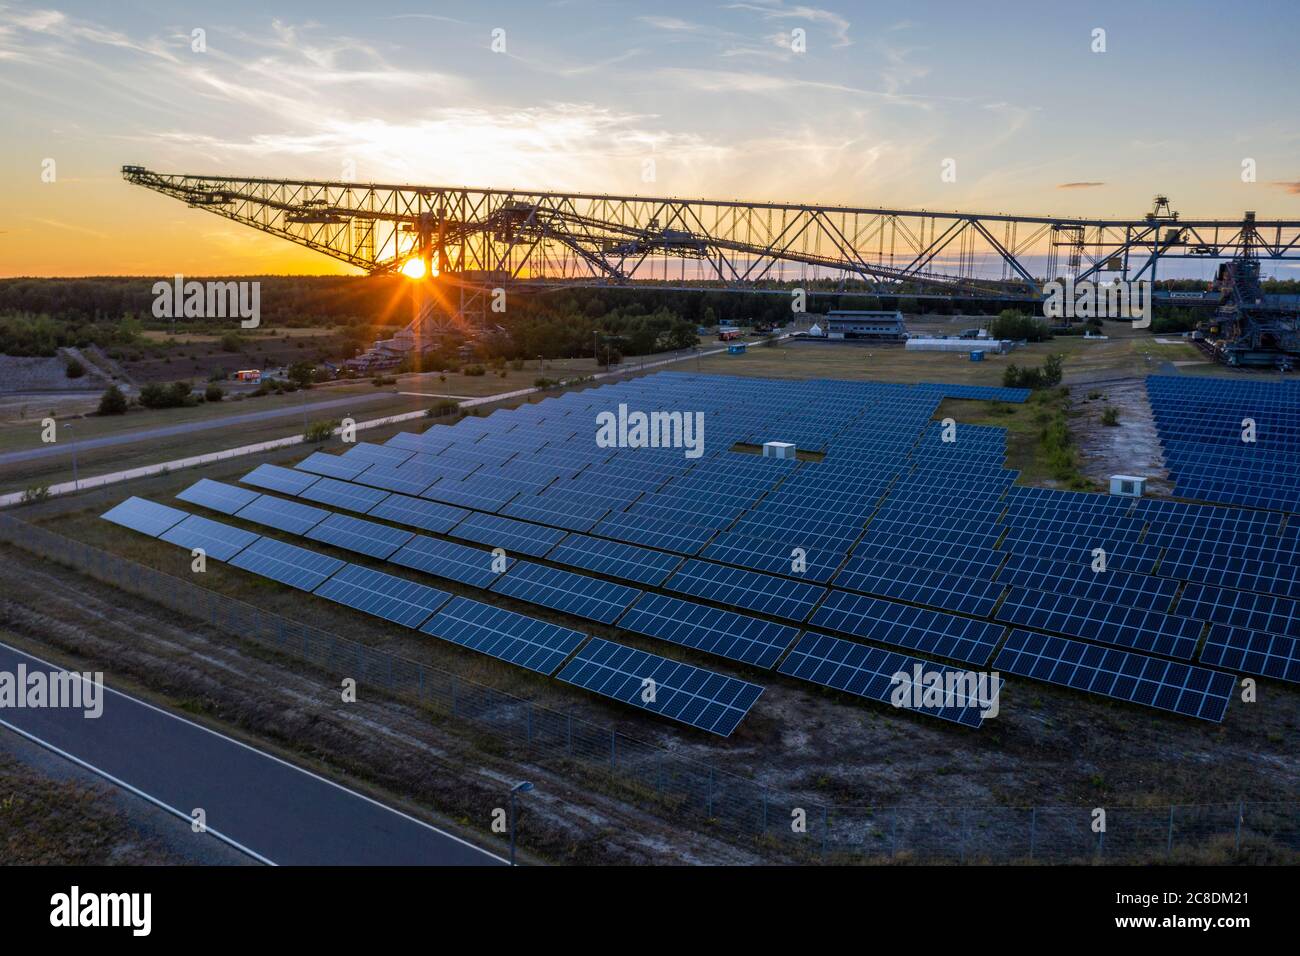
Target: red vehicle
{"x":726,"y":335}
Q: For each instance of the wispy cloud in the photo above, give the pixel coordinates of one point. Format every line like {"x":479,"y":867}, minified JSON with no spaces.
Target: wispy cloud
{"x":837,"y":25}
{"x":1080,"y":185}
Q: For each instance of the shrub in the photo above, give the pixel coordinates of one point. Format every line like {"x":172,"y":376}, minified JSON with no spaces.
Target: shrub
{"x":444,"y":406}
{"x":157,"y":395}
{"x":473,"y":370}
{"x":1016,"y":325}
{"x":1110,"y":415}
{"x":213,"y":393}
{"x":517,"y":365}
{"x":35,"y":494}
{"x":318,"y":432}
{"x":544,"y":382}
{"x":231,"y":342}
{"x":74,"y":369}
{"x":112,"y":402}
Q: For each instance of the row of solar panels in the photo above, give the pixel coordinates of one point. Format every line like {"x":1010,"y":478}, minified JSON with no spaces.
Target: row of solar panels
{"x":681,"y":692}
{"x":1202,"y":427}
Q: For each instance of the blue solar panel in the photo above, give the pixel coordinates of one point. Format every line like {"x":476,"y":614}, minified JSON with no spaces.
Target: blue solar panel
{"x":383,"y":595}
{"x":690,"y":695}
{"x":292,"y":516}
{"x":1181,"y":688}
{"x":792,"y":600}
{"x":575,"y":594}
{"x":516,"y":638}
{"x":931,"y":632}
{"x":418,"y":513}
{"x":147,"y":517}
{"x":615,"y":559}
{"x":1254,"y":652}
{"x":286,"y":563}
{"x":357,"y":534}
{"x":284,"y":480}
{"x":219,"y":497}
{"x":220,"y":542}
{"x":654,"y":533}
{"x":367,"y":453}
{"x":917,"y":585}
{"x":873,"y":673}
{"x":331,"y":466}
{"x":515,"y":536}
{"x":773,"y":556}
{"x":1109,"y":623}
{"x":446,"y":559}
{"x":343,"y":494}
{"x":707,"y":629}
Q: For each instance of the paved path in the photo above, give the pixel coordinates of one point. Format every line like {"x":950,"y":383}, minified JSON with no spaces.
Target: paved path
{"x":270,"y":809}
{"x":166,"y":431}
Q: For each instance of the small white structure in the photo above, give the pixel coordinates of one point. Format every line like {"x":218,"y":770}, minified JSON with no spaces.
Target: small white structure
{"x":1130,"y":486}
{"x":921,"y":344}
{"x":815,"y":331}
{"x":778,"y":449}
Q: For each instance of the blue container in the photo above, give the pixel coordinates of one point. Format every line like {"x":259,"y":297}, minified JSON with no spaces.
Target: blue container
{"x":977,"y":355}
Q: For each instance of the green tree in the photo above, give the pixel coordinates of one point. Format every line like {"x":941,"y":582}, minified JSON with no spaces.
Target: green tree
{"x":112,"y":402}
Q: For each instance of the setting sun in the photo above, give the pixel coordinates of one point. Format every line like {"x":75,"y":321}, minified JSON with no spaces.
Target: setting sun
{"x":413,"y":269}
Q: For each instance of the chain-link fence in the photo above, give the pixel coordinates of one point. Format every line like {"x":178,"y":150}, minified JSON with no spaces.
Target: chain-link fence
{"x":774,"y":824}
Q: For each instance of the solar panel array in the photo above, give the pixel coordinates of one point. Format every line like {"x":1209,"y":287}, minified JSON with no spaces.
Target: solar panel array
{"x":906,"y":535}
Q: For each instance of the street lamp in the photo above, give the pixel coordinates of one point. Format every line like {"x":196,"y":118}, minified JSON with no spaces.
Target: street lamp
{"x":522,"y":787}
{"x":76,"y":482}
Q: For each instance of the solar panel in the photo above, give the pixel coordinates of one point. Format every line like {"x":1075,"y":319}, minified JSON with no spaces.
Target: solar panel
{"x":792,"y":600}
{"x":367,"y":453}
{"x":331,"y":466}
{"x":1109,"y":623}
{"x":918,"y":585}
{"x":418,"y":513}
{"x":575,"y":594}
{"x":343,"y":494}
{"x":871,"y":672}
{"x":773,"y":556}
{"x":931,"y":632}
{"x":690,"y":695}
{"x":147,"y":517}
{"x":1253,"y":652}
{"x":284,"y":480}
{"x":515,"y":638}
{"x":615,"y":559}
{"x":286,"y":563}
{"x":446,"y":559}
{"x":218,"y":496}
{"x":707,"y":629}
{"x":220,"y":542}
{"x":383,"y":595}
{"x":1181,"y":688}
{"x":292,"y":516}
{"x":357,"y":534}
{"x":515,"y":536}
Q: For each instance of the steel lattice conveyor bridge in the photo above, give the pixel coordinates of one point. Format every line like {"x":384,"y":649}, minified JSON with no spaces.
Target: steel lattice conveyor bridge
{"x":484,"y":238}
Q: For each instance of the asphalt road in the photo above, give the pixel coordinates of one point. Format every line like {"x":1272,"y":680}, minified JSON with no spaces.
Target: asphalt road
{"x":270,"y":809}
{"x":165,"y":431}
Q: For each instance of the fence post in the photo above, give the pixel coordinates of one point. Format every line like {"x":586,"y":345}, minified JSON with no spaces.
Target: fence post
{"x":1241,"y":813}
{"x":1033,"y":830}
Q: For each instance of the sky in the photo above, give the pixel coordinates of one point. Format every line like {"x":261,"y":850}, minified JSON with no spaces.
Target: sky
{"x":576,"y":95}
